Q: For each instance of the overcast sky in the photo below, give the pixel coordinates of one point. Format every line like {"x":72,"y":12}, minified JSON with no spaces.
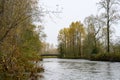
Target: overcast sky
{"x":71,"y":10}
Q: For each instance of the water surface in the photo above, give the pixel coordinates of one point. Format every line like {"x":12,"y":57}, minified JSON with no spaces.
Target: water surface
{"x":77,"y":69}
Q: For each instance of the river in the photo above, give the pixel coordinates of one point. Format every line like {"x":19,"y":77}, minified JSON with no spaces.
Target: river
{"x":78,"y":69}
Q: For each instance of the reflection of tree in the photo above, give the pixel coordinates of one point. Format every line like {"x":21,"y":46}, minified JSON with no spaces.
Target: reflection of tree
{"x":108,"y":71}
{"x":102,"y":71}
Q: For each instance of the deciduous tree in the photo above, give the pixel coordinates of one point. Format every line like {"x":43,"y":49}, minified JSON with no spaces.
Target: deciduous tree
{"x":110,"y":15}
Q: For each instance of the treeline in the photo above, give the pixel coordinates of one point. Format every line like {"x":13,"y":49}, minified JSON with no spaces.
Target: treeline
{"x":20,"y":42}
{"x":49,"y":48}
{"x":93,"y":38}
{"x":70,"y":40}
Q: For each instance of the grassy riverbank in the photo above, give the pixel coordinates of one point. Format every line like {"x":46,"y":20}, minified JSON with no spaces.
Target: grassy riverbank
{"x":113,"y":57}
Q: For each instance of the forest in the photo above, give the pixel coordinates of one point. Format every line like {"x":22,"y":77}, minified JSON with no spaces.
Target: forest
{"x":94,"y":38}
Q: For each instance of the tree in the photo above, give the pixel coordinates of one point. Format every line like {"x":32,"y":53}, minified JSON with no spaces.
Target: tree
{"x":19,"y":42}
{"x":70,"y":40}
{"x":62,"y":39}
{"x":93,"y":27}
{"x":110,"y":15}
{"x":14,"y":13}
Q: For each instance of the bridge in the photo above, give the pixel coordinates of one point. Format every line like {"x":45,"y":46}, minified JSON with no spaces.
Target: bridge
{"x":50,"y":55}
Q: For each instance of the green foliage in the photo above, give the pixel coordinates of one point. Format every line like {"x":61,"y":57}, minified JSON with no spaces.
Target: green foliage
{"x":95,"y":51}
{"x":18,"y":58}
{"x":106,"y":57}
{"x":92,"y":42}
{"x":31,"y":45}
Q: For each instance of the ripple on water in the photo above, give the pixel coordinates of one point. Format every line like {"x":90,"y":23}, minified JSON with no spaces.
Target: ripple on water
{"x":76,"y":69}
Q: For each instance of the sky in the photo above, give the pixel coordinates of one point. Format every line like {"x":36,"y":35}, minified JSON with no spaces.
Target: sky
{"x":66,"y":11}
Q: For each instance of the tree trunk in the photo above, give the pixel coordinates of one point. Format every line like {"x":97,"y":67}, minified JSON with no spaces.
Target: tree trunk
{"x":108,"y":26}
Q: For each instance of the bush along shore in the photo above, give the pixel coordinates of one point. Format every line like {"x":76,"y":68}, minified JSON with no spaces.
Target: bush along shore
{"x":112,"y":57}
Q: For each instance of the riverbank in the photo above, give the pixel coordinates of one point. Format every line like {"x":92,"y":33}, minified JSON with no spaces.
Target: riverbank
{"x":106,"y":57}
{"x":98,"y":57}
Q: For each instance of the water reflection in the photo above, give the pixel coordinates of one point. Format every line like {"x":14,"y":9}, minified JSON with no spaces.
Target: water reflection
{"x":70,"y":69}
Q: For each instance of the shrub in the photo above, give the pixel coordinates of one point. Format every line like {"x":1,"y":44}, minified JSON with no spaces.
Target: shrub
{"x":106,"y":57}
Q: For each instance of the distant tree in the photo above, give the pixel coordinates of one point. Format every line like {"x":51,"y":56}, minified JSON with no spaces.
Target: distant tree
{"x":110,"y":15}
{"x":93,"y":36}
{"x":70,"y":40}
{"x":62,"y":39}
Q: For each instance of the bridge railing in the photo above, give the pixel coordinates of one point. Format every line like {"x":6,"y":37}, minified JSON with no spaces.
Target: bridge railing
{"x":50,"y":54}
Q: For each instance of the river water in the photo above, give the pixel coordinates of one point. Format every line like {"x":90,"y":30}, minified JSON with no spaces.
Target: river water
{"x":78,"y":69}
